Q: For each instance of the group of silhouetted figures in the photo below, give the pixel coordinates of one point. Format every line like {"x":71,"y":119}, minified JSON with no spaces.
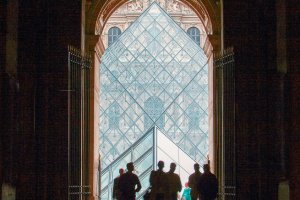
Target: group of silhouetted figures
{"x":167,"y":185}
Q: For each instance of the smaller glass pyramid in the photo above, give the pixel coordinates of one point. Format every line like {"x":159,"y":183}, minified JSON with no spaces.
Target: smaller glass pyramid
{"x":145,"y":153}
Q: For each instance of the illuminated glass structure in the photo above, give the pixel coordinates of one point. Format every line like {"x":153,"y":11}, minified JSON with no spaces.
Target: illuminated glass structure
{"x":154,"y":74}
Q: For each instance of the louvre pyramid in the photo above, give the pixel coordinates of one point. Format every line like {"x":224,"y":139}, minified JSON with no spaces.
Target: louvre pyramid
{"x":154,"y":74}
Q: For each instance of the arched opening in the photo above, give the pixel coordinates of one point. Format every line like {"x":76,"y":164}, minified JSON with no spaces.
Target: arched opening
{"x":209,"y":42}
{"x":194,"y":33}
{"x":266,"y":75}
{"x":113,"y":34}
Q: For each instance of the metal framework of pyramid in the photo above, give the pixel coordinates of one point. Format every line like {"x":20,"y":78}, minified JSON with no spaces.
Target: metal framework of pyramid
{"x":153,"y":75}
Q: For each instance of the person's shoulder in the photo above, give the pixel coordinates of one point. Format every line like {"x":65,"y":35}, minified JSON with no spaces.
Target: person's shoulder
{"x":163,"y":173}
{"x":153,"y":172}
{"x":121,"y":179}
{"x":125,"y":175}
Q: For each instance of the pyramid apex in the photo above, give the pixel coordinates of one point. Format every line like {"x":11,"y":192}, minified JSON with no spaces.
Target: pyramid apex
{"x":154,"y":8}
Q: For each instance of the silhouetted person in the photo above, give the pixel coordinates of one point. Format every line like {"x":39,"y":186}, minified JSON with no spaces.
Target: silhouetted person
{"x":207,"y":184}
{"x":186,"y":195}
{"x":193,"y":182}
{"x":174,"y":182}
{"x":159,"y":183}
{"x":129,"y":183}
{"x":116,"y":190}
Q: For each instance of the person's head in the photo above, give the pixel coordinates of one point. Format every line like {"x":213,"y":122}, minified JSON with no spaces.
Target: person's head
{"x":160,"y":164}
{"x":121,"y":171}
{"x":130,"y":166}
{"x":206,"y":168}
{"x":186,"y":184}
{"x":196,"y":167}
{"x":172,"y":167}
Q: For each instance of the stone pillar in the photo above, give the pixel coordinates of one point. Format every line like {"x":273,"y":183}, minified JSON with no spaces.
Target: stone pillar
{"x":92,"y":43}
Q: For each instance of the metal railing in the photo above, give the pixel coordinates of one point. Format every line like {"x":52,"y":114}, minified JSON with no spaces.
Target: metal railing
{"x":226,"y":138}
{"x":78,"y":123}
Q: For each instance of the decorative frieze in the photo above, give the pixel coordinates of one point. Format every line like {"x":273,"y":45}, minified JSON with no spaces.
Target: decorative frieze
{"x":129,"y":12}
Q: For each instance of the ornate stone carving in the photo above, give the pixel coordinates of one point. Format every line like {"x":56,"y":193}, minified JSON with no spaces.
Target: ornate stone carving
{"x":174,"y":6}
{"x":129,"y":11}
{"x":135,"y":6}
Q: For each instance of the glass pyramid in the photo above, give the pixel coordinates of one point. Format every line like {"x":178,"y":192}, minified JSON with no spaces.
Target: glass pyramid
{"x":153,"y":75}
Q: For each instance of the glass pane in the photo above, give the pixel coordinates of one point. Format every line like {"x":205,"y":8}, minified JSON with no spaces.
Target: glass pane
{"x":104,"y":195}
{"x":166,"y":145}
{"x":144,"y":182}
{"x":144,"y":146}
{"x":104,"y":179}
{"x":145,"y":163}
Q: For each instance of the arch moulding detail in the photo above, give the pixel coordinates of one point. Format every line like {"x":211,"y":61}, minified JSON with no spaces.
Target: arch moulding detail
{"x":99,"y":11}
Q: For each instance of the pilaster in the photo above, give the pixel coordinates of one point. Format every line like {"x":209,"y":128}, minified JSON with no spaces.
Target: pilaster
{"x":91,"y":42}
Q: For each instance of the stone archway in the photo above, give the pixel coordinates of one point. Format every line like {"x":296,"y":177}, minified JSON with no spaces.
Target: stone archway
{"x":95,"y":17}
{"x":206,"y":10}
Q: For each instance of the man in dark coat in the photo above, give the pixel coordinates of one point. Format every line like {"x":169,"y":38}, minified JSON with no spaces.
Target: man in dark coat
{"x":193,"y":181}
{"x":207,"y":184}
{"x":174,"y":183}
{"x":129,"y":184}
{"x":159,"y":183}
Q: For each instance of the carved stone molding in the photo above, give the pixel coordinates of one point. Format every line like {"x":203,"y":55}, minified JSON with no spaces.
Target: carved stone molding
{"x":207,"y":11}
{"x":214,"y":40}
{"x":91,"y":41}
